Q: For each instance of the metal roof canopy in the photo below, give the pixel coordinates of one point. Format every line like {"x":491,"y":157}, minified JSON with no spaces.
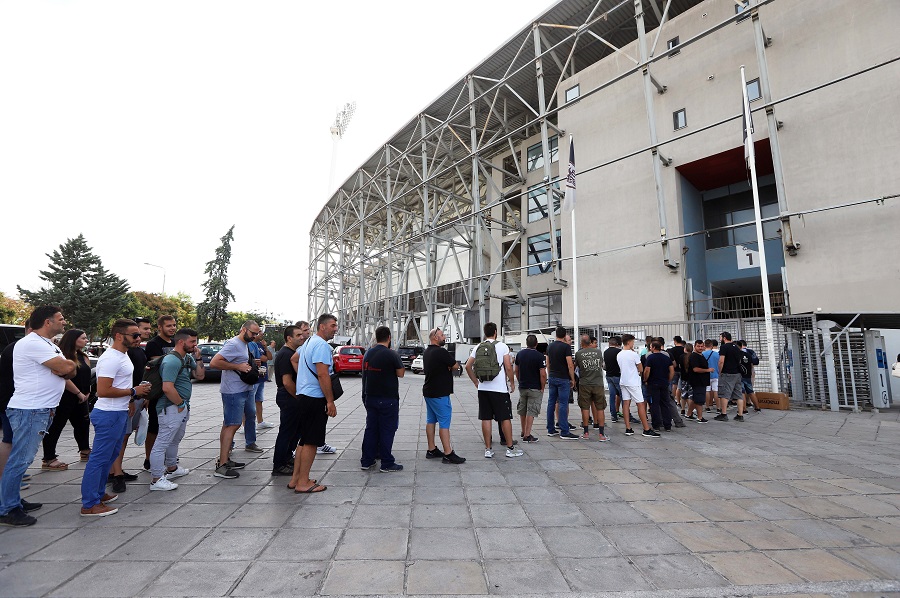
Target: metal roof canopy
{"x":889,"y":321}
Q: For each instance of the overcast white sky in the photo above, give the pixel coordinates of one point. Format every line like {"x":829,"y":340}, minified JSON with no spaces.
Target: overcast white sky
{"x":151,"y":127}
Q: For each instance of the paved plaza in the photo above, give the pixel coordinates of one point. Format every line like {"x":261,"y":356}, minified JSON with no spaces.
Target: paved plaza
{"x":797,"y":502}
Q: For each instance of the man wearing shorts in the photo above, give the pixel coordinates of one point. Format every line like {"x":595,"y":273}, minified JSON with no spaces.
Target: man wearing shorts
{"x":698,"y":379}
{"x":316,"y":401}
{"x":439,"y":366}
{"x":730,"y":378}
{"x":493,"y":395}
{"x":711,"y":353}
{"x":591,"y":396}
{"x":630,"y":383}
{"x":532,"y":377}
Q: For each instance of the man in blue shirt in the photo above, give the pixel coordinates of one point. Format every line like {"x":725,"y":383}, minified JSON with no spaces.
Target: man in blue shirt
{"x":315,"y":398}
{"x":382,"y":370}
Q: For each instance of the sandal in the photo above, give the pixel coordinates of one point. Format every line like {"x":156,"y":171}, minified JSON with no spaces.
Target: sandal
{"x":85,"y":455}
{"x":55,"y":465}
{"x":312,"y":489}
{"x":294,"y":487}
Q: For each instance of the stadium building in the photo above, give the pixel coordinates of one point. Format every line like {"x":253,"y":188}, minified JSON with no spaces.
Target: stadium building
{"x":456,"y":220}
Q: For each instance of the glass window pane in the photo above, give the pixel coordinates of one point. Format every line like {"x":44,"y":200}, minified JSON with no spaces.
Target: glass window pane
{"x":572,"y":93}
{"x":537,"y":202}
{"x":679,"y":119}
{"x":544,"y":311}
{"x":536,"y":156}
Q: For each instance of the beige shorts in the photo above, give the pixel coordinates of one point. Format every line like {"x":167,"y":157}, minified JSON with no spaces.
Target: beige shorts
{"x":591,"y":395}
{"x":529,"y":402}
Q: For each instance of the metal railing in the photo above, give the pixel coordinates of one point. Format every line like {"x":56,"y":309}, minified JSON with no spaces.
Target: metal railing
{"x":741,"y":306}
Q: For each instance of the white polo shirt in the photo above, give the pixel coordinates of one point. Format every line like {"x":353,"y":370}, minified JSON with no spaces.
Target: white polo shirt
{"x":37,"y":387}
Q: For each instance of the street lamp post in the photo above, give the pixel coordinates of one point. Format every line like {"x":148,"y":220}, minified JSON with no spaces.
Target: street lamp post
{"x":164,"y":275}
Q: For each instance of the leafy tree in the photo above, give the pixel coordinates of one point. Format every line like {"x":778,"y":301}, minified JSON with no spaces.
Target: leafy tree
{"x":88,"y":294}
{"x":212,"y":312}
{"x":8,"y":310}
{"x":153,"y":305}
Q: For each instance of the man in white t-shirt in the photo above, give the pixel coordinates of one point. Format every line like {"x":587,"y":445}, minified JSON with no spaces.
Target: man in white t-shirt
{"x":39,"y":373}
{"x":630,"y":382}
{"x":110,"y":417}
{"x":493,"y":394}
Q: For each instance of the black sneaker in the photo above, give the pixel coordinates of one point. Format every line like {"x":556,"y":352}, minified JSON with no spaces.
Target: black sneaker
{"x":31,"y":506}
{"x":629,"y":432}
{"x":702,"y":420}
{"x":691,"y":416}
{"x":682,"y":412}
{"x":283,"y":470}
{"x":529,"y":438}
{"x":129,"y":477}
{"x":738,"y":418}
{"x":434,"y":453}
{"x":226,"y":471}
{"x":650,"y":434}
{"x":614,"y":420}
{"x":452,"y":457}
{"x":146,"y":464}
{"x":569,"y":436}
{"x":232,"y":464}
{"x":392,"y":468}
{"x":17,"y":518}
{"x":721,"y":418}
{"x":596,"y":426}
{"x":118,"y":485}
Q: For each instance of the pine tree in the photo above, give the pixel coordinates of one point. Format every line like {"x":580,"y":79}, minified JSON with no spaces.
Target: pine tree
{"x":88,"y":294}
{"x":212,"y":312}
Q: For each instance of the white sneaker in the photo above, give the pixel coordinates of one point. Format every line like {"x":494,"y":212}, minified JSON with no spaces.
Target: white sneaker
{"x":178,"y":473}
{"x":264,"y":425}
{"x":488,"y":454}
{"x":163,"y":484}
{"x":514,"y":452}
{"x":325,"y":449}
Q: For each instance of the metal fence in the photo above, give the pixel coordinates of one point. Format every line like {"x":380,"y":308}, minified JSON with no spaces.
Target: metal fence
{"x":742,"y":306}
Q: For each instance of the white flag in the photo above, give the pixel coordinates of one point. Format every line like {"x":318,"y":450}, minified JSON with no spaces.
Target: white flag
{"x":747,"y":121}
{"x":569,"y":200}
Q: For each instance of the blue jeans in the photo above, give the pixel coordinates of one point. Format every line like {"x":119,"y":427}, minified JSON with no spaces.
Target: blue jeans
{"x":110,"y":428}
{"x":612,"y":384}
{"x":560,"y":391}
{"x":28,"y":427}
{"x":382,"y":421}
{"x":238,"y":406}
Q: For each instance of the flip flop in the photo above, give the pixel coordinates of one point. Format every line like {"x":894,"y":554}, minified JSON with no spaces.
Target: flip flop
{"x":312,"y":489}
{"x":294,"y":487}
{"x":59,"y":465}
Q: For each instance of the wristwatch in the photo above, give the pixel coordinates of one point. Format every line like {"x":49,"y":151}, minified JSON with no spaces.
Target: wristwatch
{"x":133,"y":393}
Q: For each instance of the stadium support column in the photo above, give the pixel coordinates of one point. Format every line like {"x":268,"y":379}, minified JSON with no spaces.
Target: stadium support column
{"x":430,"y":294}
{"x":478,"y":219}
{"x":762,"y":43}
{"x":651,"y":119}
{"x":545,"y":148}
{"x":362,"y":306}
{"x":389,"y":270}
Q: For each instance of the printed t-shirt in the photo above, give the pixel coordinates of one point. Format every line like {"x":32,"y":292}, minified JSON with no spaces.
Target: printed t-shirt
{"x":659,"y":367}
{"x":590,"y":366}
{"x":313,"y":351}
{"x":234,"y":350}
{"x":530,"y":362}
{"x":498,"y":384}
{"x":114,"y":364}
{"x":36,"y":386}
{"x":380,"y":366}
{"x":156,"y":347}
{"x":436,"y":362}
{"x":628,"y":361}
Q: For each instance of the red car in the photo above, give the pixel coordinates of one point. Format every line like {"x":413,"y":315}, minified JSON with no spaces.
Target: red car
{"x":348,"y":359}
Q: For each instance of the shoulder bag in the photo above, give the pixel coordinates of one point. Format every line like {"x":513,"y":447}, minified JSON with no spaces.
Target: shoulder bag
{"x":336,"y":389}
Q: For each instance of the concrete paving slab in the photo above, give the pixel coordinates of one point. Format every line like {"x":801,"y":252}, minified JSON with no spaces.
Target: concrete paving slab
{"x":265,"y":578}
{"x":524,"y":577}
{"x":817,"y":565}
{"x":365,"y":577}
{"x":32,"y":578}
{"x":676,"y":571}
{"x":445,"y":578}
{"x":197,"y":579}
{"x":448,"y":544}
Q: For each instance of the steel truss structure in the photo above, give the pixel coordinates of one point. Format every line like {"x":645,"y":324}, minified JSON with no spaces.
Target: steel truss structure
{"x":426,"y":207}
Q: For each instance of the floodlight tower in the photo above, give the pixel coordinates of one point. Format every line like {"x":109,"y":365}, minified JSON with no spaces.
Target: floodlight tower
{"x":341,"y":121}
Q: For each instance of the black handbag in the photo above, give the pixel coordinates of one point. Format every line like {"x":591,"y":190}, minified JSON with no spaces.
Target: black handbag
{"x":250,"y":377}
{"x":336,"y":389}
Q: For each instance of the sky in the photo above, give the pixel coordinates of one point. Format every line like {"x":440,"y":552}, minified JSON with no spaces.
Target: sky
{"x":152,"y":127}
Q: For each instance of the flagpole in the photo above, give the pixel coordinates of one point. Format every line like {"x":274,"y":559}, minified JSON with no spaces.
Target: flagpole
{"x":569,"y":203}
{"x":760,"y":240}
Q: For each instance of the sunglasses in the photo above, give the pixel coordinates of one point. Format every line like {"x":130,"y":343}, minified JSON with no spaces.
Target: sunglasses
{"x":134,"y":335}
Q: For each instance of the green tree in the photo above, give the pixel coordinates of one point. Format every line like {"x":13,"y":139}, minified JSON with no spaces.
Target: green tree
{"x":153,"y":305}
{"x":8,"y":311}
{"x":212,"y":312}
{"x":88,"y":294}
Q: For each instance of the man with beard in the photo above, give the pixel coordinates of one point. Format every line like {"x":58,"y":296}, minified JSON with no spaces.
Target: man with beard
{"x":159,"y":345}
{"x":286,"y":399}
{"x":439,"y":366}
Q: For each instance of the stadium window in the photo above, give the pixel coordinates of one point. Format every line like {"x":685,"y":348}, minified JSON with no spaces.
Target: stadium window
{"x":511,"y":317}
{"x":537,"y":202}
{"x":741,"y":7}
{"x":545,"y":311}
{"x":753,"y":92}
{"x":572,"y":93}
{"x":536,"y":155}
{"x":509,"y":165}
{"x":539,"y":255}
{"x":679,"y":119}
{"x":671,"y":44}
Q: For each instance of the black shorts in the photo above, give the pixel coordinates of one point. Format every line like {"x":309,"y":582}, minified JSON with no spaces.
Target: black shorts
{"x":698,"y":395}
{"x":313,"y":420}
{"x":494,"y":405}
{"x":153,"y":423}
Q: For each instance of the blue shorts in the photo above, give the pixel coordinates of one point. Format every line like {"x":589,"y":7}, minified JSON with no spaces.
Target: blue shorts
{"x":7,"y":428}
{"x":234,"y":405}
{"x":439,"y":411}
{"x":747,"y":383}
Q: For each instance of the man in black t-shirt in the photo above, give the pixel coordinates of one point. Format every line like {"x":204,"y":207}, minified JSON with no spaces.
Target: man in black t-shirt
{"x":658,"y":374}
{"x":158,"y":346}
{"x":677,"y":355}
{"x":439,"y":366}
{"x":286,"y":399}
{"x":382,"y":370}
{"x":730,"y":386}
{"x":561,"y":380}
{"x":532,"y":377}
{"x":613,"y":375}
{"x":698,"y":378}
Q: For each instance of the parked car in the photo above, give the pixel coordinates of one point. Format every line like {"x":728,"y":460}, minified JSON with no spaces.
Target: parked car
{"x":417,"y":366}
{"x":348,"y":359}
{"x":207,"y":352}
{"x":408,"y":354}
{"x":10,"y":333}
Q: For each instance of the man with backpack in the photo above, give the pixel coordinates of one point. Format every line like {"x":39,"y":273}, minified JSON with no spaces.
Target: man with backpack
{"x":748,"y":360}
{"x":173,"y":408}
{"x":490,"y":369}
